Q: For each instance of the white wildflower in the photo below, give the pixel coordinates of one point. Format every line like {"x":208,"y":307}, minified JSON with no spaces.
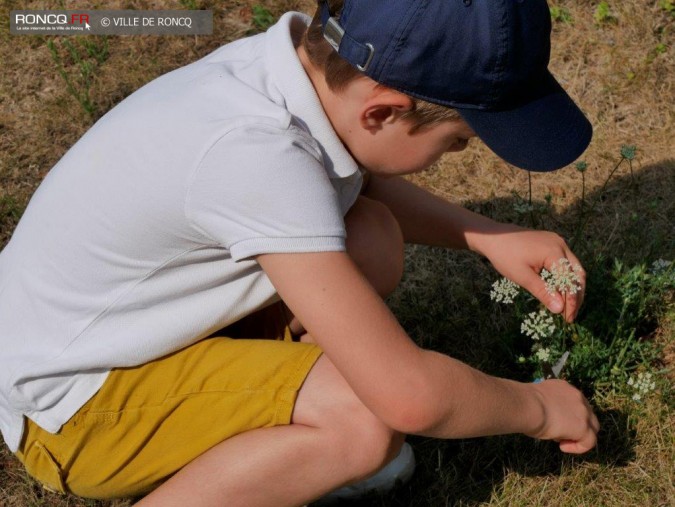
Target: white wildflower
{"x":504,"y":291}
{"x":523,"y":207}
{"x":642,"y":385}
{"x":543,"y":354}
{"x":538,"y":325}
{"x":563,"y":277}
{"x":660,"y":265}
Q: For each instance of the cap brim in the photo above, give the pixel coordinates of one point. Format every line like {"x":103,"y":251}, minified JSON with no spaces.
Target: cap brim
{"x":544,"y":134}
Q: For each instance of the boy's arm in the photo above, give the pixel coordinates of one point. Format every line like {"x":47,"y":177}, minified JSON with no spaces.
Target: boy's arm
{"x":518,"y":254}
{"x":410,"y":389}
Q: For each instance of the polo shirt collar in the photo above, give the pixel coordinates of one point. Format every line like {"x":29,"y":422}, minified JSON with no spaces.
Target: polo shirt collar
{"x":301,"y":98}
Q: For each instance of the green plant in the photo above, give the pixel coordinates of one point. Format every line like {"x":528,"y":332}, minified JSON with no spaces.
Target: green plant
{"x":10,"y":209}
{"x":668,"y":6}
{"x":76,"y":63}
{"x":611,"y":342}
{"x":657,"y":50}
{"x":603,"y":14}
{"x":190,"y":5}
{"x":262,"y":18}
{"x":561,"y":15}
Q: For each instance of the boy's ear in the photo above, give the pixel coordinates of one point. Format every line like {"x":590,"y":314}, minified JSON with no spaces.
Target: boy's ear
{"x":382,"y":107}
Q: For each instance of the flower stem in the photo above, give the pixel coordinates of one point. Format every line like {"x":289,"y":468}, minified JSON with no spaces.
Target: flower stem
{"x":585,"y":217}
{"x":529,"y":199}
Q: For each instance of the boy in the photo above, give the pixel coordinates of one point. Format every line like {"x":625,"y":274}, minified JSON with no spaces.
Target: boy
{"x":216,"y":189}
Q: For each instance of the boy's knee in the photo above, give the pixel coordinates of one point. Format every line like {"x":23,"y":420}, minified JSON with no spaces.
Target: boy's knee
{"x":358,"y":442}
{"x":367,"y":445}
{"x":375,"y":242}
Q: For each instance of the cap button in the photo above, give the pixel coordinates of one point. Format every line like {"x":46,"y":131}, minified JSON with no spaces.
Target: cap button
{"x":467,"y":3}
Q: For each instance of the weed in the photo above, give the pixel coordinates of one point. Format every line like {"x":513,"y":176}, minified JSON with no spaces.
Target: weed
{"x":190,"y":5}
{"x":668,"y":6}
{"x":561,"y":15}
{"x":654,"y":52}
{"x":76,"y":63}
{"x":603,"y":14}
{"x":262,"y":18}
{"x":610,"y":341}
{"x":10,"y":209}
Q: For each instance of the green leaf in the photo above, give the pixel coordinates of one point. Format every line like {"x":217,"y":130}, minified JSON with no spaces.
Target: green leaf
{"x":603,"y":14}
{"x":561,"y":15}
{"x":262,"y":18}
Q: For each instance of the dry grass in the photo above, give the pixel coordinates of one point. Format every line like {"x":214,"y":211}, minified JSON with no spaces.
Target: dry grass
{"x":620,"y":72}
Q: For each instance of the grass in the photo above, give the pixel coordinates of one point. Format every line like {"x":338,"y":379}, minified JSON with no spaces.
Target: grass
{"x":615,"y":58}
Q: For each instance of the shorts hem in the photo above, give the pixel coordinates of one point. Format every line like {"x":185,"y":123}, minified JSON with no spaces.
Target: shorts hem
{"x":289,"y":393}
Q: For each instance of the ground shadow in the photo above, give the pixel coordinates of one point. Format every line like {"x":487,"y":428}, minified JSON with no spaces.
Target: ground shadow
{"x":443,"y":306}
{"x":467,"y":472}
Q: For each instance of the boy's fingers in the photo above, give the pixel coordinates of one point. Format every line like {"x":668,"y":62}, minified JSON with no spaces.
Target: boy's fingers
{"x":579,"y":446}
{"x":567,"y":303}
{"x":536,"y":286}
{"x":571,"y":306}
{"x":575,"y":299}
{"x":589,"y":438}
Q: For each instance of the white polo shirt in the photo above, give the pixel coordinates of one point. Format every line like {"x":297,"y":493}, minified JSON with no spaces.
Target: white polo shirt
{"x":140,"y":240}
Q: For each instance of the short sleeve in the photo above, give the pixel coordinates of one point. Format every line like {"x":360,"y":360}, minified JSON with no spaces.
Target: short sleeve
{"x":264,"y":189}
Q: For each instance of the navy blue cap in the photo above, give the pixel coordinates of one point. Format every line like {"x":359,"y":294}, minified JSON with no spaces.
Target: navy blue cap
{"x":488,"y":59}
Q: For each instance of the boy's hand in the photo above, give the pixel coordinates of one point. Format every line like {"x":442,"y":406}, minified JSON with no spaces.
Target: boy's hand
{"x":520,"y":255}
{"x":568,"y":417}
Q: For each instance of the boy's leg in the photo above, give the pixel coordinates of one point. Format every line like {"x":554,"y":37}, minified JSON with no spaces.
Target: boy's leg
{"x":333,"y":439}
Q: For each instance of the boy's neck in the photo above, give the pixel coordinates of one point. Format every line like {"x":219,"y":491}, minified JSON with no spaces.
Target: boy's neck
{"x":342,"y":108}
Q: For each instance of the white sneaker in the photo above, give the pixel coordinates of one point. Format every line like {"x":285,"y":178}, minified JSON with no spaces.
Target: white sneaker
{"x":399,"y":470}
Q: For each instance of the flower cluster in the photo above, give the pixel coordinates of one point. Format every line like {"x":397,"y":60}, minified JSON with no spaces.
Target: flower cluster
{"x":504,"y":291}
{"x":523,"y":207}
{"x":538,"y":325}
{"x":563,"y":277}
{"x":543,"y":354}
{"x":642,"y":384}
{"x":628,"y":151}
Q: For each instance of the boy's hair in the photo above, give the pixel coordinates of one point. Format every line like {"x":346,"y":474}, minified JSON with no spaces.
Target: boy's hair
{"x":339,"y":72}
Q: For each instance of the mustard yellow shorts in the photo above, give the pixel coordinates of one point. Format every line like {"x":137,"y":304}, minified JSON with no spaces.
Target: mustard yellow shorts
{"x":148,"y":422}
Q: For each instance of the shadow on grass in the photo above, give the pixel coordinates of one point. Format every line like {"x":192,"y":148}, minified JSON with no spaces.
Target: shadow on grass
{"x":471,"y":471}
{"x":443,"y":302}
